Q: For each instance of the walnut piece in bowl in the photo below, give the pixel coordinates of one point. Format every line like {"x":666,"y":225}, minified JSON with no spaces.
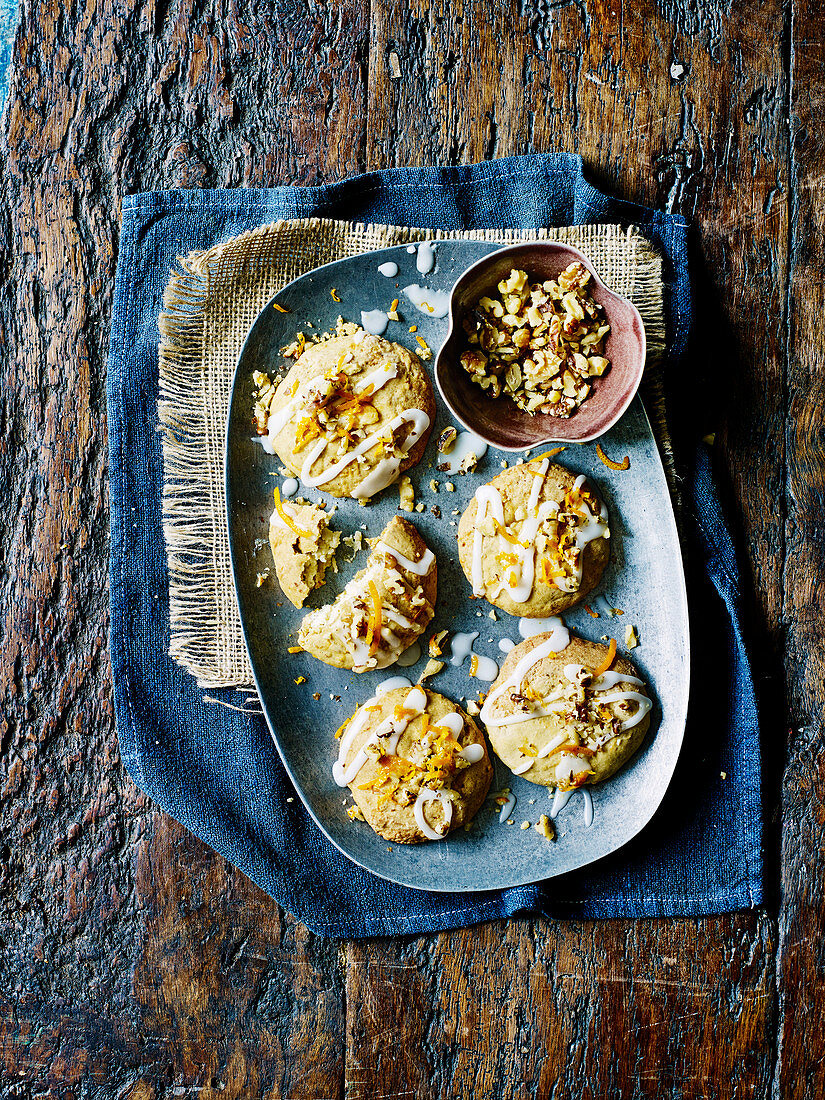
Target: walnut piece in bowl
{"x":539,"y":349}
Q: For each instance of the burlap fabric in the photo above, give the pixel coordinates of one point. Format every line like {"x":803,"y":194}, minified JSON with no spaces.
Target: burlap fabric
{"x":208,"y":307}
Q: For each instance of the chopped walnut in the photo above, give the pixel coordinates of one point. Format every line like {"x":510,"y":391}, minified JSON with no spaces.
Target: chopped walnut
{"x":432,"y":668}
{"x":539,"y":343}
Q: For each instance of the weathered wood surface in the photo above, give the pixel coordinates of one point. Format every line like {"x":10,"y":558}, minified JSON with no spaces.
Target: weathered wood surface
{"x":136,"y":963}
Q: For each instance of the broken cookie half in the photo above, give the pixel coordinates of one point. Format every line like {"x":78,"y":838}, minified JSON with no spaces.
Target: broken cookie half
{"x":303,"y":546}
{"x":383,"y":609}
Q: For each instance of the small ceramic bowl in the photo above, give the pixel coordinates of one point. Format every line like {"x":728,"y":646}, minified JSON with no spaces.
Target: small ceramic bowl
{"x":499,"y":421}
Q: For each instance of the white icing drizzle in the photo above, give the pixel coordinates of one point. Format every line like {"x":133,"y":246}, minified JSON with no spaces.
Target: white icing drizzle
{"x":472,"y":753}
{"x":389,"y":269}
{"x":506,"y":645}
{"x":374,"y":321}
{"x":397,"y":617}
{"x":557,"y":641}
{"x":420,"y":568}
{"x":570,"y":765}
{"x":376,"y":378}
{"x":522,"y":572}
{"x":290,"y":487}
{"x":595,"y":527}
{"x":427,"y":795}
{"x":415,"y":703}
{"x":609,"y":680}
{"x":411,"y":249}
{"x":462,"y":648}
{"x":264,"y":442}
{"x":487,"y":496}
{"x":529,"y":628}
{"x":452,"y":722}
{"x":383,"y":474}
{"x":420,"y":422}
{"x":425,"y":260}
{"x":588,"y":807}
{"x":281,"y":417}
{"x":507,"y":808}
{"x":538,"y":482}
{"x":553,"y":743}
{"x":466,"y":443}
{"x":432,"y":303}
{"x":291,"y":510}
{"x":390,"y":684}
{"x":560,"y":800}
{"x":410,"y":656}
{"x":523,"y":766}
{"x":630,"y":697}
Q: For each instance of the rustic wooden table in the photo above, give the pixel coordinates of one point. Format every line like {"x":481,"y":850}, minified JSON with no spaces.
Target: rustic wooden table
{"x":135,"y":962}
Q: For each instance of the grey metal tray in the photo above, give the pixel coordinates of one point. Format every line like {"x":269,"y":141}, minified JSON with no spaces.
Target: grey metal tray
{"x":645,"y":579}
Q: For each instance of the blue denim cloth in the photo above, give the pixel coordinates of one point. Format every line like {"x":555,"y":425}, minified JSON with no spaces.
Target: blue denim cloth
{"x":219,"y":773}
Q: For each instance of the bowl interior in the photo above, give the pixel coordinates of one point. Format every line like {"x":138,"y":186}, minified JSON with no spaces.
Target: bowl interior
{"x":498,"y":420}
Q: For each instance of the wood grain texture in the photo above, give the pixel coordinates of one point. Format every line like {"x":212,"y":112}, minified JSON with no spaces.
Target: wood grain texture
{"x":137,"y":964}
{"x":564,"y":1010}
{"x":801,"y":963}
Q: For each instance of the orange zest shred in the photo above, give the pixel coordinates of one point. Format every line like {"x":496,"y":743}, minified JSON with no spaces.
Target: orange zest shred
{"x":474,"y":664}
{"x":294,"y":649}
{"x":280,"y":309}
{"x":339,"y":733}
{"x":576,"y":750}
{"x":547,"y":454}
{"x":505,"y":534}
{"x":609,"y":463}
{"x":334,"y":295}
{"x":593,"y":614}
{"x":288,"y":520}
{"x":609,"y":659}
{"x":549,"y":571}
{"x":393,"y":305}
{"x":374,"y":636}
{"x":306,"y":430}
{"x":421,"y":341}
{"x":413,"y":328}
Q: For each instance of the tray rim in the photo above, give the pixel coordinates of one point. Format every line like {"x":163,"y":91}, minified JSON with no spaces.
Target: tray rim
{"x":680,"y":722}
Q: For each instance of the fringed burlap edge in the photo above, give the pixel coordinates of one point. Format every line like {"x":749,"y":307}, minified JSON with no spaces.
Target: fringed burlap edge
{"x":209,"y":305}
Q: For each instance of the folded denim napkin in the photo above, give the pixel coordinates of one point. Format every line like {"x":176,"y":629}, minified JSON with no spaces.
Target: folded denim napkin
{"x":217,"y":771}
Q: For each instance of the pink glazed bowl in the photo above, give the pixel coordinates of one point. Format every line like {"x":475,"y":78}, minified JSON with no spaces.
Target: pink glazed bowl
{"x":498,"y":420}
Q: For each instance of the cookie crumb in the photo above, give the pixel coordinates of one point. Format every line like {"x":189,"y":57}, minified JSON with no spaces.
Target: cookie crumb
{"x":406,"y":494}
{"x":525,"y":825}
{"x":546,"y":827}
{"x":631,"y":638}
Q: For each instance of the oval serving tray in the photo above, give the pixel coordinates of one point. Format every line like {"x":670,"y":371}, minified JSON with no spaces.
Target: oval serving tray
{"x":645,"y":579}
